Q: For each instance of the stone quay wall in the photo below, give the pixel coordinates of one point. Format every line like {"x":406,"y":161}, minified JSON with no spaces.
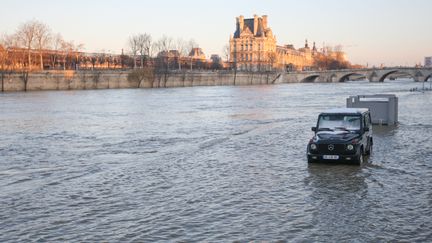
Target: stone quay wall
{"x":87,"y":79}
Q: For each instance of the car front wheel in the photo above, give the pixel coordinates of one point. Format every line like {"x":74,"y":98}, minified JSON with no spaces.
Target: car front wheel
{"x":369,"y":150}
{"x":360,"y":158}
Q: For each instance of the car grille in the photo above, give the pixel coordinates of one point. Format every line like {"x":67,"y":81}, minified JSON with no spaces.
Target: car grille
{"x":337,"y":149}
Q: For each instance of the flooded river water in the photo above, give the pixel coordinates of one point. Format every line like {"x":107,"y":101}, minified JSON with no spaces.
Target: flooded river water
{"x":208,"y":164}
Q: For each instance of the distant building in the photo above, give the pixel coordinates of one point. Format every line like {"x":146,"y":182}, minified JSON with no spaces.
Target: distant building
{"x":197,"y":54}
{"x":428,"y":62}
{"x":253,"y":47}
{"x":168,"y":54}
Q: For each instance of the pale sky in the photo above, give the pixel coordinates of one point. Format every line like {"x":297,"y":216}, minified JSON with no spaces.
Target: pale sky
{"x":391,"y":32}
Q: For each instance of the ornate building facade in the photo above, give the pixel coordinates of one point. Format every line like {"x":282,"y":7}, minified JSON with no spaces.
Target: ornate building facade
{"x":253,"y":48}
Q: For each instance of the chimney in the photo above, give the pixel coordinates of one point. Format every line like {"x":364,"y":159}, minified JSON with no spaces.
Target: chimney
{"x":241,"y":24}
{"x":255,"y":26}
{"x":264,"y":21}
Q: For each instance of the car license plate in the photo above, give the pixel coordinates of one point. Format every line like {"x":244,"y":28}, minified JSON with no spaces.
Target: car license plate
{"x":332,"y":157}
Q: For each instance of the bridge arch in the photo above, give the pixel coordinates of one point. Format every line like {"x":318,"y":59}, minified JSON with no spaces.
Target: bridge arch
{"x":428,"y":78}
{"x":386,"y":74}
{"x":310,"y":79}
{"x":346,"y":77}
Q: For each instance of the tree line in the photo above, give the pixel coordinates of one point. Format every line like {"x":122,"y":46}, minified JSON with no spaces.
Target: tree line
{"x":332,"y":58}
{"x":34,"y":46}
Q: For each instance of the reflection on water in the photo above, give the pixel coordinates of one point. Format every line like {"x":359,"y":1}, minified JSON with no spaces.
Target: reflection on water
{"x":337,"y":193}
{"x":385,"y":131}
{"x":208,"y":164}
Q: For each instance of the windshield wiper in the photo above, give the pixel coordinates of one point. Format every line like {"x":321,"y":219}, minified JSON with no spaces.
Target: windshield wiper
{"x":325,"y":129}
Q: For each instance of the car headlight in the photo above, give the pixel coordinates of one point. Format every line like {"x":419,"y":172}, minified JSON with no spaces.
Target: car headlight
{"x":313,"y":146}
{"x":350,"y":147}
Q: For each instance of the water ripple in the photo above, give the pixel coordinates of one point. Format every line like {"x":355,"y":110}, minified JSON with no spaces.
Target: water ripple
{"x":207,"y":164}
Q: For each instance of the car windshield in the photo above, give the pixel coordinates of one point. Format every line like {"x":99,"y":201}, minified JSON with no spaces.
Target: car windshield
{"x":334,"y":122}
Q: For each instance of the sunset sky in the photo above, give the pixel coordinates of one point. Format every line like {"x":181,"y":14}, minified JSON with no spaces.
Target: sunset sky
{"x":389,"y":32}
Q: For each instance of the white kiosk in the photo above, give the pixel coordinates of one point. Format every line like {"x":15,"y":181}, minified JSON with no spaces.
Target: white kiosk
{"x":383,"y":107}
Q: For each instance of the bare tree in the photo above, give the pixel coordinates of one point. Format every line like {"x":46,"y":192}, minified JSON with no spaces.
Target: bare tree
{"x":182,"y":49}
{"x":101,"y":56}
{"x":164,"y":44}
{"x":17,"y":57}
{"x":133,"y":44}
{"x":3,"y":53}
{"x":66,"y":49}
{"x":26,"y":35}
{"x":190,"y":46}
{"x":76,"y":50}
{"x":148,"y":45}
{"x":272,"y":59}
{"x":14,"y":58}
{"x":226,"y":52}
{"x":141,"y":75}
{"x":3,"y":58}
{"x":42,"y":39}
{"x":144,"y":43}
{"x":328,"y":49}
{"x":56,"y":45}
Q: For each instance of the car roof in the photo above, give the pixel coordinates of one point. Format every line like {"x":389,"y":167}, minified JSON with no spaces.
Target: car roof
{"x":346,"y":111}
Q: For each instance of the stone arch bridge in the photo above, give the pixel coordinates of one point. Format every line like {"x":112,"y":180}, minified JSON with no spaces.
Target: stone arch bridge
{"x":371,"y":74}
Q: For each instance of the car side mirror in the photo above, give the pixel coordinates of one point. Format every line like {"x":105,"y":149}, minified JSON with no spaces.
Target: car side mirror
{"x":313,"y":129}
{"x":366,"y":129}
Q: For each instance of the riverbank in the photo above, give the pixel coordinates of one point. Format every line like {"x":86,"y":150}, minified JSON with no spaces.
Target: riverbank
{"x":88,"y":79}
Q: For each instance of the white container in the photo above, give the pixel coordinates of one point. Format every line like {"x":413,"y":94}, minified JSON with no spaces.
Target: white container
{"x":383,"y":107}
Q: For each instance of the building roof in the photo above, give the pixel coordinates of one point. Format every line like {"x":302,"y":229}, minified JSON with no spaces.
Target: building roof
{"x":249,"y":26}
{"x":197,"y":53}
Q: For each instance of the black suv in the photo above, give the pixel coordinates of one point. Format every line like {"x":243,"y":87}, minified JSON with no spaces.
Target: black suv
{"x":343,"y":135}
